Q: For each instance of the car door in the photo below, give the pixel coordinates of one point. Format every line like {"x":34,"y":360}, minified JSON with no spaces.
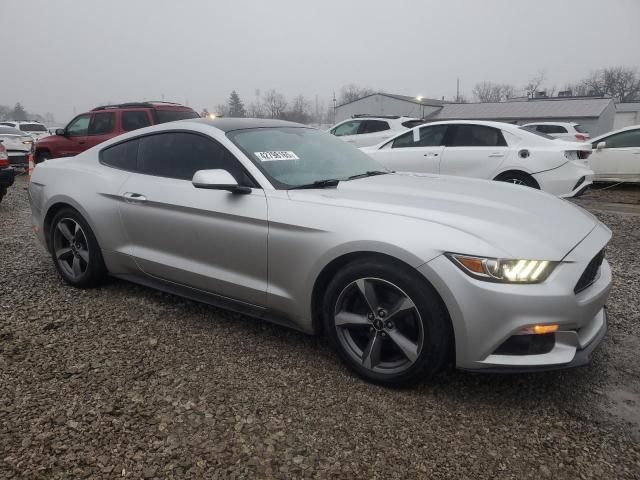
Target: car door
{"x":347,"y":131}
{"x":210,"y":240}
{"x":101,"y":127}
{"x":620,"y":157}
{"x":372,"y":132}
{"x":418,"y":150}
{"x":74,"y":140}
{"x":473,"y":151}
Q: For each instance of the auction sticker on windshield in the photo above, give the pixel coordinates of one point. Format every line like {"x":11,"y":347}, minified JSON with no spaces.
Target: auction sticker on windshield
{"x":274,"y":156}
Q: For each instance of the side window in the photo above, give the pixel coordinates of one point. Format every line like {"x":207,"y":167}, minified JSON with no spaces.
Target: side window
{"x":474,"y":136}
{"x":404,"y":141}
{"x":553,"y":129}
{"x":347,"y":128}
{"x":134,"y":119}
{"x":123,"y":155}
{"x":628,"y":139}
{"x":373,"y":126}
{"x":429,"y":137}
{"x":180,"y":155}
{"x":102,"y":123}
{"x":79,"y":126}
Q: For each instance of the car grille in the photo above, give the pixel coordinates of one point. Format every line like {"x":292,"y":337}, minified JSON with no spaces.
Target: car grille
{"x":590,"y":273}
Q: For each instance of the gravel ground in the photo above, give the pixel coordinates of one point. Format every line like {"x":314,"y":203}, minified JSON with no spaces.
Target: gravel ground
{"x":123,"y":381}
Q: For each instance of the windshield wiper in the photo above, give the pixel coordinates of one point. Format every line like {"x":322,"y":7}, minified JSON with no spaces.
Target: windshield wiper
{"x":370,"y":173}
{"x":330,"y":182}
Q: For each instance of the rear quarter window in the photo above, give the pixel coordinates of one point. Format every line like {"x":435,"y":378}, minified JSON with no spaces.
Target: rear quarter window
{"x":123,"y":156}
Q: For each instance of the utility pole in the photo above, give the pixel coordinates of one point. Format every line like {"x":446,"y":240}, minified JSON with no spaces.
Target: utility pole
{"x":334,"y":107}
{"x":457,"y":90}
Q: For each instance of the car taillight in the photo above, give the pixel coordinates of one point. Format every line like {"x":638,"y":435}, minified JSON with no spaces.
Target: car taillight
{"x":4,"y":158}
{"x":581,"y":137}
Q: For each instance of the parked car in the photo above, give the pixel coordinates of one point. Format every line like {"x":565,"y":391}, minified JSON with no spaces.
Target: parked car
{"x":36,"y":129}
{"x":492,"y":151}
{"x":403,"y":272}
{"x":616,"y":156}
{"x":102,"y":123}
{"x":6,"y":172}
{"x":561,"y":130}
{"x":365,"y":130}
{"x":19,"y":146}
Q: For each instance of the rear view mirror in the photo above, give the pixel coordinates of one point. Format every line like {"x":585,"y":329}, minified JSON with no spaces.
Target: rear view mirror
{"x":601,"y":145}
{"x":60,"y":131}
{"x":218,"y":180}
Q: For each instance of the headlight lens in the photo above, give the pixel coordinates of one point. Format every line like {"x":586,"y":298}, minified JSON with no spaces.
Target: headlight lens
{"x":503,"y":270}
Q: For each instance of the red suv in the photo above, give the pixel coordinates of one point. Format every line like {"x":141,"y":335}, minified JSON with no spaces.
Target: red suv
{"x":102,"y":123}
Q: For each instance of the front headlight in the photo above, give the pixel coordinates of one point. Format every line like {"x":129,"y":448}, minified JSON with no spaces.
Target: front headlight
{"x":503,"y":270}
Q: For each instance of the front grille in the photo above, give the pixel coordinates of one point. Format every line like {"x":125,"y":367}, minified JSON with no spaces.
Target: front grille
{"x":590,"y":273}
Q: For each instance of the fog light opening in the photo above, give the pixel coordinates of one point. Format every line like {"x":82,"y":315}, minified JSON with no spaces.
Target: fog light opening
{"x":540,"y":329}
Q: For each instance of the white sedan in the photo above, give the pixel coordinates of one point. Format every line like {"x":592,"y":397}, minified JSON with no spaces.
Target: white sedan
{"x":616,"y":156}
{"x":490,"y":150}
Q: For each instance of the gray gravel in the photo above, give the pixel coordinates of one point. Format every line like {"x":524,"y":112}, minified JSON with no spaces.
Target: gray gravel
{"x":123,"y":381}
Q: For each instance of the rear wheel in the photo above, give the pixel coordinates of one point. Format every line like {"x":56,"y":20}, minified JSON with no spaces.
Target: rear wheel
{"x":75,"y":251}
{"x":518,"y":178}
{"x":386,"y":322}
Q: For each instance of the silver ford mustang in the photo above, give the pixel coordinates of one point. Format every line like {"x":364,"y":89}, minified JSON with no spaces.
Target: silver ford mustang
{"x":404,"y":273}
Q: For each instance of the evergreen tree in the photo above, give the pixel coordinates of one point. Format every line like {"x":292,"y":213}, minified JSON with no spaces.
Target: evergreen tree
{"x":236,"y":107}
{"x":19,"y":113}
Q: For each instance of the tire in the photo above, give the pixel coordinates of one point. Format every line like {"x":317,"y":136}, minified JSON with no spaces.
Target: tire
{"x":518,"y":178}
{"x":414,"y":346}
{"x":43,"y":156}
{"x":75,"y":250}
{"x":3,"y":192}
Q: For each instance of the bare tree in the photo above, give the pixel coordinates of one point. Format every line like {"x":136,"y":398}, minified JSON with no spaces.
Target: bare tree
{"x":492,"y":92}
{"x":351,"y":92}
{"x":256,"y":109}
{"x":533,"y":85}
{"x":274,"y":103}
{"x":621,"y":83}
{"x":300,"y":110}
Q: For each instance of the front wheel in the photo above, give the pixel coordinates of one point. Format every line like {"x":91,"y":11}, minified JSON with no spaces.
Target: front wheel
{"x":518,"y":178}
{"x":75,"y":250}
{"x":386,"y":322}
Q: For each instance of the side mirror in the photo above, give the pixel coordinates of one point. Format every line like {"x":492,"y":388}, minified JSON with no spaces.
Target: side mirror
{"x":601,"y":145}
{"x":61,"y":131}
{"x":218,"y":180}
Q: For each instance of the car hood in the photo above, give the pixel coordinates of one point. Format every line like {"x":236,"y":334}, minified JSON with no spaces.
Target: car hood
{"x":520,"y":222}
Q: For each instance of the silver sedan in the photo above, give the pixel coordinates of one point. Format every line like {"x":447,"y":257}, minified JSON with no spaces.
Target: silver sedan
{"x":404,"y":273}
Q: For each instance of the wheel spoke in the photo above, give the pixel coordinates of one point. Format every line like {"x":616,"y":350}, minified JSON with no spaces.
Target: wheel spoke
{"x":84,"y":254}
{"x":403,"y":306}
{"x":77,"y":271}
{"x":371,"y":355}
{"x":407,"y":347}
{"x":368,"y":292}
{"x":65,"y":232}
{"x":63,"y":253}
{"x":347,"y":319}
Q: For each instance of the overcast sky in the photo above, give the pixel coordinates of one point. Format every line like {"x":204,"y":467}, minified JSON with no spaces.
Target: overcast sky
{"x":66,"y":55}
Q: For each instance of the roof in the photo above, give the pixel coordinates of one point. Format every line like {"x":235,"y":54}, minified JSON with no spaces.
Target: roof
{"x":558,"y":108}
{"x":229,"y":124}
{"x":423,"y":101}
{"x":628,"y":107}
{"x":150,"y":104}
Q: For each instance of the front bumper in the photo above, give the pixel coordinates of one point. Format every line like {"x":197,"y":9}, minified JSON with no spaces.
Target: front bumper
{"x":568,"y":180}
{"x":485,"y":315}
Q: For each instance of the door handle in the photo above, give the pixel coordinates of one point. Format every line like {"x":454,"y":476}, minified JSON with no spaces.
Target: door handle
{"x":496,"y":154}
{"x":430,"y":155}
{"x":130,"y":197}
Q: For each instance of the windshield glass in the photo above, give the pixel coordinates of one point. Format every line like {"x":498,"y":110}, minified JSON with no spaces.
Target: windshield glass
{"x":164,"y":116}
{"x":294,"y":156}
{"x":532,"y":129}
{"x":32,"y":127}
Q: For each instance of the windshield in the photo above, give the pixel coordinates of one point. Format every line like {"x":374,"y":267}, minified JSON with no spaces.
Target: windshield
{"x":164,"y":116}
{"x":294,"y":156}
{"x":32,"y":127}
{"x":532,"y":129}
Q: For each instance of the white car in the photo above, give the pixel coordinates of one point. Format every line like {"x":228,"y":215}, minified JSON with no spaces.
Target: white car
{"x":616,"y":156}
{"x":364,"y":130}
{"x":562,"y":130}
{"x":35,"y":129}
{"x":18,"y":145}
{"x":492,"y":151}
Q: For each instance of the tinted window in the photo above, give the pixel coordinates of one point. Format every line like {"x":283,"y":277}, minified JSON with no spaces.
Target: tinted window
{"x":123,"y":156}
{"x":628,"y":139}
{"x":373,"y":126}
{"x":429,"y":137}
{"x":580,"y":129}
{"x":79,"y":126}
{"x":552,"y":129}
{"x":347,"y":128}
{"x":8,"y":124}
{"x":180,"y":155}
{"x":474,"y":136}
{"x":102,"y":123}
{"x":32,"y":127}
{"x":532,"y":129}
{"x":412,"y":123}
{"x":164,"y":116}
{"x":134,"y":120}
